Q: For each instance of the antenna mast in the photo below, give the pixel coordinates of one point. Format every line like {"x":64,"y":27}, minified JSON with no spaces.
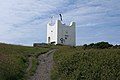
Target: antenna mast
{"x":61,"y":17}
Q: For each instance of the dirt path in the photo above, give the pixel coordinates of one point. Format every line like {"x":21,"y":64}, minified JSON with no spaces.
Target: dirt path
{"x":30,"y":64}
{"x":43,"y":71}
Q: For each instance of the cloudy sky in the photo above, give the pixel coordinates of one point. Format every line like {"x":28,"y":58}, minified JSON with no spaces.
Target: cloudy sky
{"x":24,"y":21}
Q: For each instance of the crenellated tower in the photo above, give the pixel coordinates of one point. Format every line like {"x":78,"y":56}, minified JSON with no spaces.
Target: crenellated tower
{"x":59,"y":33}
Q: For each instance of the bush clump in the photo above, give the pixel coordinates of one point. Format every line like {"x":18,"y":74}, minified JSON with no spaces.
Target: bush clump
{"x":99,"y":45}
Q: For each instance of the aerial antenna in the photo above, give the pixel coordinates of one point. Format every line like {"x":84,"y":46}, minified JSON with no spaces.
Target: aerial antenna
{"x":60,"y":16}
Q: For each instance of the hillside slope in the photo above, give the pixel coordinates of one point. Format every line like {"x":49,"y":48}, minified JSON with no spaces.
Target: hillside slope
{"x":14,"y":61}
{"x":70,"y":63}
{"x":91,"y":64}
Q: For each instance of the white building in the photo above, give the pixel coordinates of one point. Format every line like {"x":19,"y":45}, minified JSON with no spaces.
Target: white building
{"x":59,"y":33}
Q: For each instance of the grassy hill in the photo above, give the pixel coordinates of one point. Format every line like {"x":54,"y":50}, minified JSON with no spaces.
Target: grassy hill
{"x":14,"y":61}
{"x":71,"y":63}
{"x":77,"y":63}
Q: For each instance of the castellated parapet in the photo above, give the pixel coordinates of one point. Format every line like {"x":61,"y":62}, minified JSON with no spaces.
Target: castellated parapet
{"x":60,"y":33}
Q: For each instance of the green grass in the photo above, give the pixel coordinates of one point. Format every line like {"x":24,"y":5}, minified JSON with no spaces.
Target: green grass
{"x":71,"y":63}
{"x":14,"y":61}
{"x":90,"y":64}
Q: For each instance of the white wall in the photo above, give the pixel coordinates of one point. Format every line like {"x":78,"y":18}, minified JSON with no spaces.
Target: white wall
{"x":62,"y":32}
{"x":52,"y":33}
{"x":69,"y":31}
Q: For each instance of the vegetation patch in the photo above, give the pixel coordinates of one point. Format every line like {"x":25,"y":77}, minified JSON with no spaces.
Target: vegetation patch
{"x":14,"y":60}
{"x":77,"y":63}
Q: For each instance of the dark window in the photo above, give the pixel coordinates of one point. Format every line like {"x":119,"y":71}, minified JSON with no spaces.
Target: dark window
{"x":48,"y":39}
{"x":66,"y":36}
{"x":66,"y":32}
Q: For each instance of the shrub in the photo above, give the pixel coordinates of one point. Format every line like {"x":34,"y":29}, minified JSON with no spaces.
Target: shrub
{"x":99,"y":45}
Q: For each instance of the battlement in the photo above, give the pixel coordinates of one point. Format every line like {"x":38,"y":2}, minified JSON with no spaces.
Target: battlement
{"x":60,"y":33}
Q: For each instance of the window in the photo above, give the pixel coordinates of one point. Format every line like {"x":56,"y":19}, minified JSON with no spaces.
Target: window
{"x":48,"y":39}
{"x":66,"y":36}
{"x":51,"y":31}
{"x":66,"y":31}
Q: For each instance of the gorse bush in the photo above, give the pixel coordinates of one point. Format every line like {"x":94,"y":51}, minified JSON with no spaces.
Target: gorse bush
{"x":99,"y":45}
{"x":90,"y":64}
